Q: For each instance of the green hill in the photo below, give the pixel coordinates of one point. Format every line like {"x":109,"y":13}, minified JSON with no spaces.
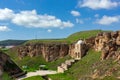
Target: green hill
{"x":82,"y":69}
{"x":70,"y":39}
{"x":11,"y":42}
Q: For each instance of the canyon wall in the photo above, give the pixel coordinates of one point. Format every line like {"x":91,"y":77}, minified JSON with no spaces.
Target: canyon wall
{"x":50,"y":51}
{"x":106,"y":42}
{"x":109,"y":44}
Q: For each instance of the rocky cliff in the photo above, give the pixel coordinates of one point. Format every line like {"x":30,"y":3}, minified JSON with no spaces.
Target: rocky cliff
{"x":50,"y":51}
{"x":109,"y":44}
{"x":106,"y":42}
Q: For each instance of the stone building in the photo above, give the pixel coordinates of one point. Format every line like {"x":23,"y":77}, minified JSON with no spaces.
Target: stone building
{"x":78,"y":49}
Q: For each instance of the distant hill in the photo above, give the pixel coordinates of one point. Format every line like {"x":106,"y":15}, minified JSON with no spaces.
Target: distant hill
{"x":11,"y":42}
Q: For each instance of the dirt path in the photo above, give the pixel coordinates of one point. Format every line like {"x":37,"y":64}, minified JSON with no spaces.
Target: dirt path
{"x":39,"y":72}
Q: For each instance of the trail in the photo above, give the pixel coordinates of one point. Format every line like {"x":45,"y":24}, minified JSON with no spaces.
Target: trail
{"x":39,"y":72}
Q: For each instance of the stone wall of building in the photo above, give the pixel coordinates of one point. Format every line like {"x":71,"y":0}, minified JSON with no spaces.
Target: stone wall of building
{"x":78,"y":49}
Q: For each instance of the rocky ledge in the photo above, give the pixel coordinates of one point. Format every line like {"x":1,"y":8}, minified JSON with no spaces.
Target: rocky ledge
{"x":49,"y":51}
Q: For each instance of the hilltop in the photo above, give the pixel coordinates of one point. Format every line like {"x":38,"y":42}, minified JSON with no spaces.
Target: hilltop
{"x":11,"y":42}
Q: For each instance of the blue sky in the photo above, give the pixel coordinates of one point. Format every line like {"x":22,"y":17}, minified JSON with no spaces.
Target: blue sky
{"x":26,"y":19}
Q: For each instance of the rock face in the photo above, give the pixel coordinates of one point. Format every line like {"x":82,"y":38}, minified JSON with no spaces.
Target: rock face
{"x":108,"y":43}
{"x":7,"y":65}
{"x":53,"y":51}
{"x":78,"y":49}
{"x":49,"y":51}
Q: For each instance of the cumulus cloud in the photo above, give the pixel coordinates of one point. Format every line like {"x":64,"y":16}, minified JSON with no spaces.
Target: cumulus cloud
{"x":32,"y":19}
{"x":4,"y":28}
{"x":6,"y":14}
{"x":79,"y":21}
{"x":98,"y":4}
{"x":75,"y":13}
{"x":49,"y":30}
{"x":107,"y":20}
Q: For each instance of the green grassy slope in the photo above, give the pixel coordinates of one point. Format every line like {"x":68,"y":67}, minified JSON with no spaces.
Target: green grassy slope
{"x":70,"y":39}
{"x":80,"y":69}
{"x":84,"y":69}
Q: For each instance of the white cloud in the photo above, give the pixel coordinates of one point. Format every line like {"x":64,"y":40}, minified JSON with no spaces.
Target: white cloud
{"x":6,"y":14}
{"x":79,"y":21}
{"x":49,"y":30}
{"x":107,"y":20}
{"x":98,"y":4}
{"x":32,"y":19}
{"x":4,"y":28}
{"x":75,"y":13}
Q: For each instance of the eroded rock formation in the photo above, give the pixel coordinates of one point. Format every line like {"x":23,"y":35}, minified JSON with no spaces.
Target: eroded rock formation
{"x":49,"y":51}
{"x":108,"y":43}
{"x":53,"y":51}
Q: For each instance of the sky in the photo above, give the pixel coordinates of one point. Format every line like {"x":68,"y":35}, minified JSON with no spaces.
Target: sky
{"x":47,"y":19}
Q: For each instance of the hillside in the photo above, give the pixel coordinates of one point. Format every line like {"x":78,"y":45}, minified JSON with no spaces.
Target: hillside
{"x":87,"y":68}
{"x":11,"y":42}
{"x":70,"y":39}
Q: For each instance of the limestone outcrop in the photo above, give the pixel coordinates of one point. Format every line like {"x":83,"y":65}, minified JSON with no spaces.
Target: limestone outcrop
{"x":53,"y":51}
{"x":108,"y":43}
{"x":49,"y":51}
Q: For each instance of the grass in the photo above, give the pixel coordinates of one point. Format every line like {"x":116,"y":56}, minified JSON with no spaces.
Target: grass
{"x":63,"y":76}
{"x":85,"y":65}
{"x":70,"y":39}
{"x":80,"y":69}
{"x":34,"y":62}
{"x":5,"y":76}
{"x":83,"y":69}
{"x":34,"y":78}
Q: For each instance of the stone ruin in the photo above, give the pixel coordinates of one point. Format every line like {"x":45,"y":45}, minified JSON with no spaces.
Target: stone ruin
{"x":65,"y":66}
{"x":76,"y":51}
